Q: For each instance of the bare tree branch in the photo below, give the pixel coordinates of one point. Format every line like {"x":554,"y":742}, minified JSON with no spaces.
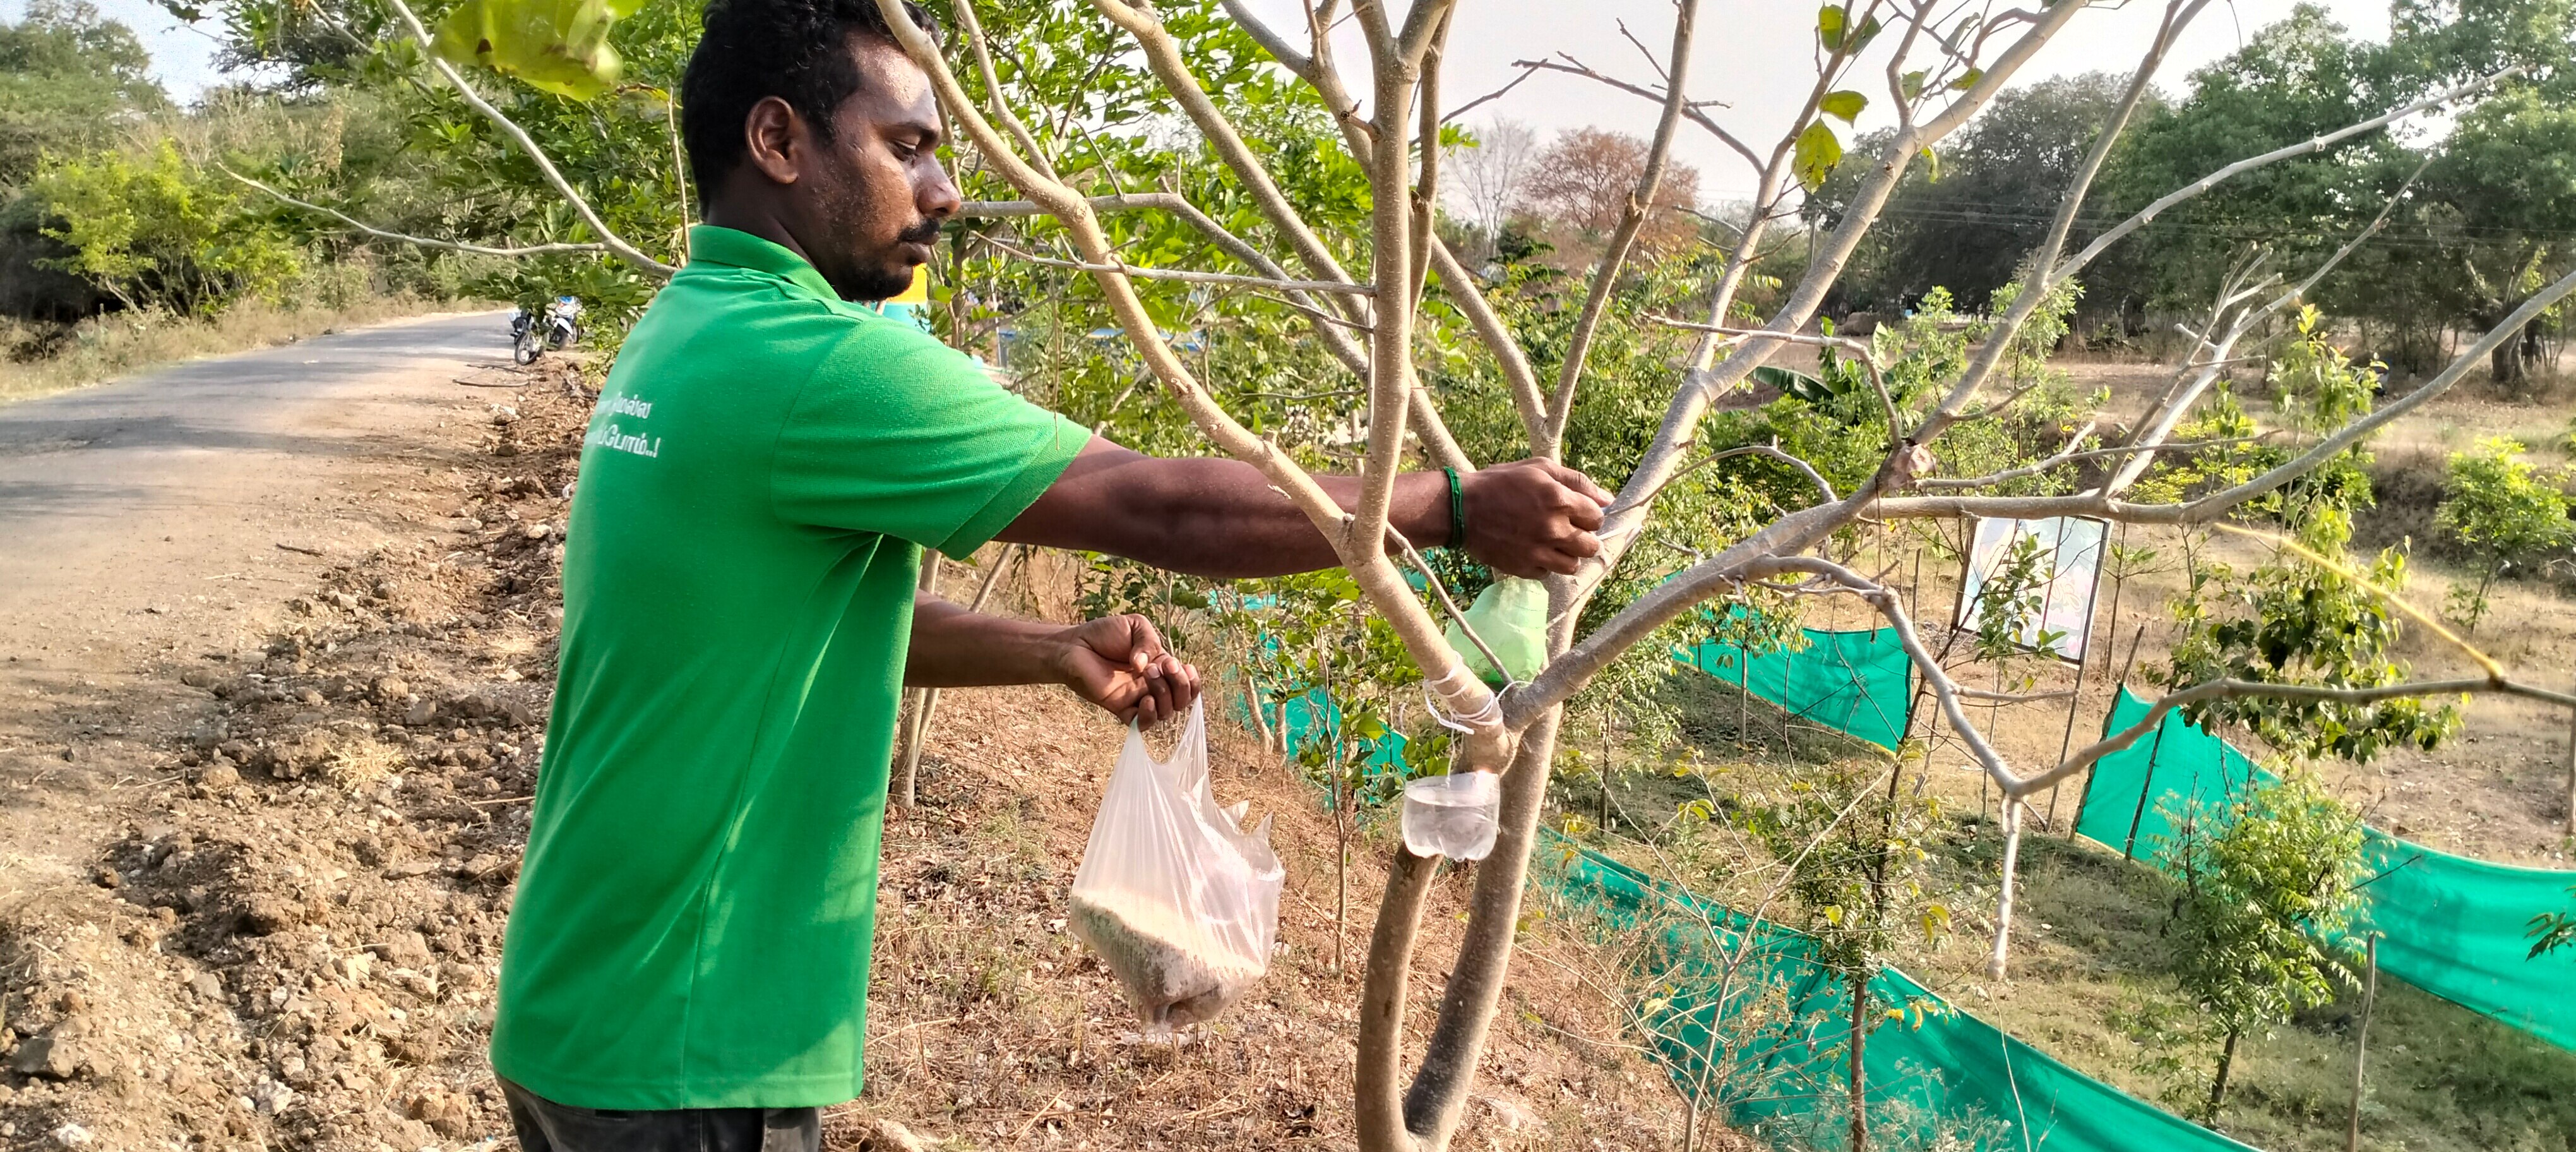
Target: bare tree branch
{"x":2069,"y":456}
{"x":1171,"y":202}
{"x":528,"y":145}
{"x":1701,"y":386}
{"x":1179,"y":274}
{"x":1470,"y":106}
{"x":1641,"y":202}
{"x":1694,"y":110}
{"x":2161,"y":420}
{"x":2146,"y":215}
{"x":2063,"y":456}
{"x":421,"y":241}
{"x":2216,"y":504}
{"x":983,"y":51}
{"x":1164,"y":57}
{"x":1497,"y":338}
{"x":2047,"y":273}
{"x":2306,"y":693}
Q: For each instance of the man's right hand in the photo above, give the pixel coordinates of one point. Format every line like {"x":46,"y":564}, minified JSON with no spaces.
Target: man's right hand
{"x":1530,"y":517}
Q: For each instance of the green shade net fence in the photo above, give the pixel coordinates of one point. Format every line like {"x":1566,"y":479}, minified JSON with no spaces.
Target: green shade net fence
{"x":1312,"y":719}
{"x":1779,"y":1024}
{"x":1855,"y":682}
{"x":2449,"y":925}
{"x":1860,"y":683}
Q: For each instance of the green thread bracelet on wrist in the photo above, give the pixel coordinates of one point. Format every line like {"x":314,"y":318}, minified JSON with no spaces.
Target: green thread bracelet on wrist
{"x":1457,"y":510}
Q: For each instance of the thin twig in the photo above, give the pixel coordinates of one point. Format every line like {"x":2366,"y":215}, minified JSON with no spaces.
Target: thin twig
{"x":1125,"y":269}
{"x":420,"y":241}
{"x":528,"y":146}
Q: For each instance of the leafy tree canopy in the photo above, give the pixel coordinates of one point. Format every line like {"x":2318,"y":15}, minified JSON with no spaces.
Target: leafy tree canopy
{"x":68,"y":77}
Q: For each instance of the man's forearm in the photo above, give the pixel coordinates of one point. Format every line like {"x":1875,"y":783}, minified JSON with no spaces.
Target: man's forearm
{"x":1211,"y":517}
{"x":955,"y":648}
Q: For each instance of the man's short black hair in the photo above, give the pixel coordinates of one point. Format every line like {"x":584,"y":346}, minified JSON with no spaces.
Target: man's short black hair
{"x":796,"y":50}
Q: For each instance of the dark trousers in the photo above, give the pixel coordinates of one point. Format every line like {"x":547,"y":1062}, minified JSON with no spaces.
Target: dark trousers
{"x":545,"y":1126}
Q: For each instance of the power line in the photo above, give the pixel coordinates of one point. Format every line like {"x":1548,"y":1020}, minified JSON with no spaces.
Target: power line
{"x":2412,"y":237}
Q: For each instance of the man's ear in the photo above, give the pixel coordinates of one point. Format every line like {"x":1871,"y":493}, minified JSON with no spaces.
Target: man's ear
{"x":776,"y":138}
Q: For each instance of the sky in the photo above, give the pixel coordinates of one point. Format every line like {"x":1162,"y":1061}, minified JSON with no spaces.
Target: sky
{"x":1757,"y":55}
{"x":183,"y":58}
{"x":1754,"y":54}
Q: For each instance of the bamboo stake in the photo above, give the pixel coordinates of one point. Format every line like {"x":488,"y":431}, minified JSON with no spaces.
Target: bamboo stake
{"x":2065,"y":743}
{"x":2361,"y":1041}
{"x":2086,"y":796}
{"x":926,"y":700}
{"x":916,"y":703}
{"x":2571,"y":772}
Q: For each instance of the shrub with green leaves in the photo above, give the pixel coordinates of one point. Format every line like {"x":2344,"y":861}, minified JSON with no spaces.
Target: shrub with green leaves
{"x":159,"y":233}
{"x":2292,"y":620}
{"x":2268,"y":883}
{"x":2505,"y":512}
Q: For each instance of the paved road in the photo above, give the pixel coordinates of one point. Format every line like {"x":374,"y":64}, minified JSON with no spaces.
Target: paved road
{"x":140,"y":524}
{"x":139,"y":446}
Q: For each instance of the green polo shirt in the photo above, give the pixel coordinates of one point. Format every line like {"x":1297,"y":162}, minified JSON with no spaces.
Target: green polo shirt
{"x":693,"y":922}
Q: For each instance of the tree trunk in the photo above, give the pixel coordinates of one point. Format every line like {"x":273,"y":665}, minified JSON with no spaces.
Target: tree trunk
{"x":2218,"y":1086}
{"x":2505,"y":364}
{"x":1390,"y":1117}
{"x":1859,"y":1074}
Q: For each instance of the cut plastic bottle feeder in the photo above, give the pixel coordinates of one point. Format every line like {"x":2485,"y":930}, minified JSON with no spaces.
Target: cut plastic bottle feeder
{"x":1454,"y":816}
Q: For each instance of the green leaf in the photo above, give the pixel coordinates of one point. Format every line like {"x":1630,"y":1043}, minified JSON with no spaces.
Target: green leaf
{"x":558,"y":46}
{"x":1794,"y":383}
{"x":1913,"y":84}
{"x":1967,"y":79}
{"x":1830,"y":21}
{"x":1368,"y":726}
{"x":1843,"y":105}
{"x":1868,"y":32}
{"x":1816,"y":154}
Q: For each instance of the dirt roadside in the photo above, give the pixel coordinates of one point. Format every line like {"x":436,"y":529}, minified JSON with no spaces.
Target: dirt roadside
{"x":259,"y":905}
{"x":184,"y":557}
{"x":152,"y":522}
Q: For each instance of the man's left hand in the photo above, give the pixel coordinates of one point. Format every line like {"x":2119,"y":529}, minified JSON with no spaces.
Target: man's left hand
{"x":1120,"y":664}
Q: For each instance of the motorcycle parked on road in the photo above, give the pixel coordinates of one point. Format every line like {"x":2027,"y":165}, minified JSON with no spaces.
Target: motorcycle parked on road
{"x":531,"y":335}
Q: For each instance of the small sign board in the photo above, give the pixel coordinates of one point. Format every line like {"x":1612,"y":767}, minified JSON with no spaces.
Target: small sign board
{"x":2071,"y":553}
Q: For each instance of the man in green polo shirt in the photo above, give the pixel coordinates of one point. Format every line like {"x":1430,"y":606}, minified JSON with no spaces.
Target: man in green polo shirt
{"x":687,"y":958}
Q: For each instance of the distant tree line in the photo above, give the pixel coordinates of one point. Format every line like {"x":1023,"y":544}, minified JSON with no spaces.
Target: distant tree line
{"x":2488,"y":213}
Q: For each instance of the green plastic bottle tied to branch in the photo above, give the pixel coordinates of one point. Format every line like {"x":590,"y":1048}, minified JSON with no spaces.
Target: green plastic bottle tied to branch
{"x":560,"y":46}
{"x":1511,"y":617}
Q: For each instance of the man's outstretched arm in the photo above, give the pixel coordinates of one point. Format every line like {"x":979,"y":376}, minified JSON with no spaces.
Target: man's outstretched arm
{"x":1221,"y":518}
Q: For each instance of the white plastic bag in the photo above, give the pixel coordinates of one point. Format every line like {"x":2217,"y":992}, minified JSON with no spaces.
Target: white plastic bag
{"x":1174,"y":897}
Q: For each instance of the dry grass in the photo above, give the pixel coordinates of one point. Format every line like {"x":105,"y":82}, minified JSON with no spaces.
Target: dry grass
{"x":360,"y":764}
{"x":991,"y":1027}
{"x":2092,"y":979}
